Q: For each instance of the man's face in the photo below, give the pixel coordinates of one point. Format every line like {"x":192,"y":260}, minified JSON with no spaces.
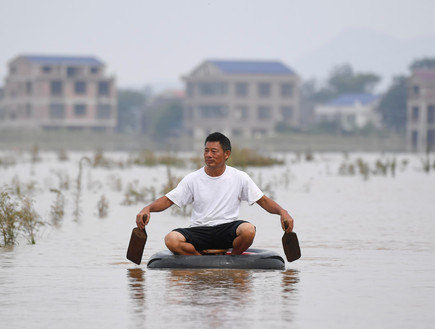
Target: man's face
{"x":214,"y":155}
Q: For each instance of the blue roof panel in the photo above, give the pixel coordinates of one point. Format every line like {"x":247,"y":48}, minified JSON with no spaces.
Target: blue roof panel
{"x":351,"y":99}
{"x":252,"y":67}
{"x":67,"y":60}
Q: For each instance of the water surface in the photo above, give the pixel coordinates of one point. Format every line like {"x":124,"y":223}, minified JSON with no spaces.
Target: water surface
{"x":368,"y":256}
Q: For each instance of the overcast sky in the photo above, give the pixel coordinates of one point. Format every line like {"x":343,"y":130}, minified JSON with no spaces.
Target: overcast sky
{"x":156,"y":42}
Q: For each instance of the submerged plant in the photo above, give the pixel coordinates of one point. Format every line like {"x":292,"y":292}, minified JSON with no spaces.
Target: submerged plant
{"x":14,"y":219}
{"x":244,"y":158}
{"x":29,"y":220}
{"x":62,"y":155}
{"x":149,"y":158}
{"x":16,"y":185}
{"x":134,"y":194}
{"x":63,"y":178}
{"x":426,"y":163}
{"x":115,"y":183}
{"x":7,"y":161}
{"x":34,"y":158}
{"x":9,"y":224}
{"x":57,"y":209}
{"x":103,"y":207}
{"x":77,"y":209}
{"x":171,"y":182}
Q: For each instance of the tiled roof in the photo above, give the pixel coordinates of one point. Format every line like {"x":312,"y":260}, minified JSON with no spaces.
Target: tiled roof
{"x":67,"y":60}
{"x":252,"y":67}
{"x":351,"y":99}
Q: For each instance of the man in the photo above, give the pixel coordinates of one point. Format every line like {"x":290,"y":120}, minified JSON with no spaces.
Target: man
{"x":215,"y":191}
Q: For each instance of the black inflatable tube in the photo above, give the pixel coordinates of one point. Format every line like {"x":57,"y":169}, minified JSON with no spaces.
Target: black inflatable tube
{"x":253,"y":259}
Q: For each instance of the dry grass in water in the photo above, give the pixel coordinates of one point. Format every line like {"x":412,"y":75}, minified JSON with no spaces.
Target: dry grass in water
{"x":103,"y":207}
{"x":57,"y":209}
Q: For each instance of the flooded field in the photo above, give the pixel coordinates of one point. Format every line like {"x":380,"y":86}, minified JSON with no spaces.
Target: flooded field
{"x":365,"y":224}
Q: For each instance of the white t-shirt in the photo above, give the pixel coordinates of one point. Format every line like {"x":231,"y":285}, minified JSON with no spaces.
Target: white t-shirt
{"x":215,"y":200}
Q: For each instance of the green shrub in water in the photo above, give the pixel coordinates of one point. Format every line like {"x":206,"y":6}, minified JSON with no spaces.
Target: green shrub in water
{"x":29,"y":220}
{"x":9,"y":219}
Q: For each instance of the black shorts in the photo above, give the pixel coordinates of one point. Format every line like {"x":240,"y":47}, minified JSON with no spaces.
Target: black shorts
{"x":211,"y":237}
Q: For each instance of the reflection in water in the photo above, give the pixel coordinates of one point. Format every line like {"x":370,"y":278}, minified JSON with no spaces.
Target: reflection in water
{"x":137,"y":288}
{"x":210,"y":295}
{"x":290,"y":278}
{"x":219,"y":283}
{"x":289,"y":284}
{"x":213,"y":298}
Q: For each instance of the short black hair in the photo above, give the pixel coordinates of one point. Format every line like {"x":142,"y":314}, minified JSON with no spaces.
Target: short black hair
{"x":221,"y":138}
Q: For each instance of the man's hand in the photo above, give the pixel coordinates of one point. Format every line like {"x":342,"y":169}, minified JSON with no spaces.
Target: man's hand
{"x":143,"y":218}
{"x":287,"y":222}
{"x":158,"y":205}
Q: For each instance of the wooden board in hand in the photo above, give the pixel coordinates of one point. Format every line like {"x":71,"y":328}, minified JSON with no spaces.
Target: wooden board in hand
{"x":290,"y":244}
{"x":136,"y":245}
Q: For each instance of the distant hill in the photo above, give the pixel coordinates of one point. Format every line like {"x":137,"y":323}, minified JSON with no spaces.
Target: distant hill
{"x":366,"y":51}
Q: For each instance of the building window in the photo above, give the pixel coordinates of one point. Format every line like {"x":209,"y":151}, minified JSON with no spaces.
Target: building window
{"x":80,"y":87}
{"x":286,"y":90}
{"x":264,"y":89}
{"x":287,"y":112}
{"x":190,"y":89}
{"x":212,"y":88}
{"x":264,"y":113}
{"x":414,"y":139}
{"x":241,"y":113}
{"x":56,"y":88}
{"x":103,"y":88}
{"x":71,"y":71}
{"x":241,"y":89}
{"x":212,"y":111}
{"x":415,"y":114}
{"x":29,"y":87}
{"x":79,"y":110}
{"x":431,"y":139}
{"x":57,"y":111}
{"x":95,"y":70}
{"x":431,"y":114}
{"x":416,"y":90}
{"x":46,"y":69}
{"x":104,"y":111}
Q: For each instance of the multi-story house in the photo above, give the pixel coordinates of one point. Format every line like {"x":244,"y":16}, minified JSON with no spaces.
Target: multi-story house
{"x":350,"y":112}
{"x":58,"y":92}
{"x":420,"y":128}
{"x":245,"y":98}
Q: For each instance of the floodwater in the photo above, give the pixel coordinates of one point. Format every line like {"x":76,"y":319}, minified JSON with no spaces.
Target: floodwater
{"x":368,"y":253}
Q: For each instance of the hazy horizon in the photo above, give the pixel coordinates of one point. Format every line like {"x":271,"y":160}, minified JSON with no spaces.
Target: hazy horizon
{"x":155,"y":43}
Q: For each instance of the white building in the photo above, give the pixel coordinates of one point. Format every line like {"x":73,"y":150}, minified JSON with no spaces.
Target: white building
{"x":350,"y":111}
{"x":240,"y":98}
{"x":54,"y":92}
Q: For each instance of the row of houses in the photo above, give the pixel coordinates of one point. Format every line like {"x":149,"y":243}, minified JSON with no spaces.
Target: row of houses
{"x":240,"y":98}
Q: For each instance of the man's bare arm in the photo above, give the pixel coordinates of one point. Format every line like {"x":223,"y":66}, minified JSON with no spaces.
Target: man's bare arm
{"x":272,"y":207}
{"x":158,"y":205}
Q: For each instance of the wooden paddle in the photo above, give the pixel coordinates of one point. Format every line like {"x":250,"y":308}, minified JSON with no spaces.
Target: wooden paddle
{"x":290,"y":244}
{"x":137,"y":244}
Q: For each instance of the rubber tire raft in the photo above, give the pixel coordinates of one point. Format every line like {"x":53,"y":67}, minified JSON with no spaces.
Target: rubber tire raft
{"x":250,"y":259}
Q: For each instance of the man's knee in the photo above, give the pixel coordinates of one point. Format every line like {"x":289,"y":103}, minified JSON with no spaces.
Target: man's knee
{"x":173,"y":238}
{"x":246,"y":231}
